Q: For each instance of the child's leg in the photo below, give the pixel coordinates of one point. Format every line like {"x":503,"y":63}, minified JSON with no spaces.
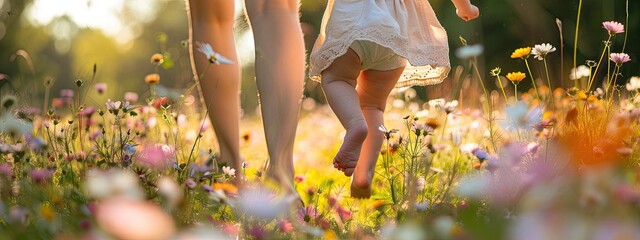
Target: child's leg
{"x":338,"y":83}
{"x":212,"y":22}
{"x":280,"y":64}
{"x":374,"y":88}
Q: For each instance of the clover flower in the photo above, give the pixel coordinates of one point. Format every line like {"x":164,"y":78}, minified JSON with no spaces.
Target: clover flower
{"x":540,"y":51}
{"x":521,"y":53}
{"x":619,"y":58}
{"x":613,"y":27}
{"x":211,"y":55}
{"x":516,"y":77}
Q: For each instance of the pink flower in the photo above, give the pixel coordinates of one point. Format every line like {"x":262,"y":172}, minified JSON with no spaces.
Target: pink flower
{"x":6,"y":170}
{"x":156,"y":156}
{"x":131,"y":97}
{"x":613,"y":27}
{"x":40,"y":175}
{"x":101,"y":88}
{"x":66,"y":93}
{"x":620,"y":58}
{"x":285,"y":226}
{"x":299,"y":178}
{"x":344,"y":214}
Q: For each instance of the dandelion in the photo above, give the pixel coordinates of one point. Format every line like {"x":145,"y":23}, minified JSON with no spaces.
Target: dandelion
{"x":101,"y":88}
{"x":521,"y":53}
{"x":619,"y":58}
{"x":467,"y":52}
{"x":157,"y":59}
{"x":613,"y":27}
{"x":152,"y":78}
{"x":540,"y":51}
{"x":213,"y":56}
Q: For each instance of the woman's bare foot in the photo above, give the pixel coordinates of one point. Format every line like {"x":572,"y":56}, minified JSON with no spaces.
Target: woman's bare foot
{"x":347,"y":157}
{"x":361,"y":184}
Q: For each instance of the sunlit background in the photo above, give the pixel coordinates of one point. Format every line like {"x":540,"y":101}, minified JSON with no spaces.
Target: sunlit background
{"x":64,"y":39}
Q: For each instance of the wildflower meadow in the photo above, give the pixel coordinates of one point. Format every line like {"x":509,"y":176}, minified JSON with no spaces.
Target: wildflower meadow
{"x":523,"y":150}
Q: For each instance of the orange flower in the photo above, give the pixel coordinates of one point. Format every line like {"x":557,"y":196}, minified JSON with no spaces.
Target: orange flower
{"x":516,"y":77}
{"x":152,"y":78}
{"x":521,"y":53}
{"x":581,"y":95}
{"x":226,"y":187}
{"x":157,"y":58}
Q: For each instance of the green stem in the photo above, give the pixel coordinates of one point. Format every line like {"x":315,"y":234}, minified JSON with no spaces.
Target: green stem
{"x":533,"y":80}
{"x":594,"y":73}
{"x":626,"y":23}
{"x":515,"y":92}
{"x":575,"y":41}
{"x":502,"y":88}
{"x":546,"y":69}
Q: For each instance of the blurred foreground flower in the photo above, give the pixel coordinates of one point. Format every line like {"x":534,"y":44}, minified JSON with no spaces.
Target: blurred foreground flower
{"x":124,"y":218}
{"x":158,"y":156}
{"x":467,"y":52}
{"x":519,"y":116}
{"x":101,"y":184}
{"x":262,"y":203}
{"x":211,"y":55}
{"x":11,"y":125}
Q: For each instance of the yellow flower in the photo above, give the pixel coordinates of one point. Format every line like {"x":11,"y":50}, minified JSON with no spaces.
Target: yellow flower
{"x":152,"y":78}
{"x":157,"y":58}
{"x":581,"y":95}
{"x":516,"y":77}
{"x":521,"y":53}
{"x":46,"y":212}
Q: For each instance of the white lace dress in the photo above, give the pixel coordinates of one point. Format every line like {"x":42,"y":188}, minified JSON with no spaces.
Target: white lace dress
{"x":408,"y":27}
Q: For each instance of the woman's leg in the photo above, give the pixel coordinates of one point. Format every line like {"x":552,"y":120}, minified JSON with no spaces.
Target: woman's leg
{"x":373,"y":89}
{"x":212,"y":22}
{"x":339,"y":85}
{"x":280,"y":63}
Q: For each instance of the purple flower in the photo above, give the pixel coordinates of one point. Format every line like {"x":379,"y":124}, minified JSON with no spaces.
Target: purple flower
{"x":101,"y":88}
{"x":613,"y":27}
{"x":620,"y":58}
{"x":40,"y":175}
{"x":66,"y":93}
{"x":6,"y":170}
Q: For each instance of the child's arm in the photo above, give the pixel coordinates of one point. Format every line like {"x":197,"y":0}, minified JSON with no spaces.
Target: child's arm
{"x":465,"y":10}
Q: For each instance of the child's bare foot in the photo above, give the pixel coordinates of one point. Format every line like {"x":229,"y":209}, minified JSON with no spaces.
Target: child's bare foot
{"x":347,"y":157}
{"x":361,"y":185}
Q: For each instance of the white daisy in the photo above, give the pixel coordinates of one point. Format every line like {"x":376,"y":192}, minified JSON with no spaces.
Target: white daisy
{"x":213,"y":56}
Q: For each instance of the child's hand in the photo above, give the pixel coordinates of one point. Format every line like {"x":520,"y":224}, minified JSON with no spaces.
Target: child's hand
{"x":468,"y":13}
